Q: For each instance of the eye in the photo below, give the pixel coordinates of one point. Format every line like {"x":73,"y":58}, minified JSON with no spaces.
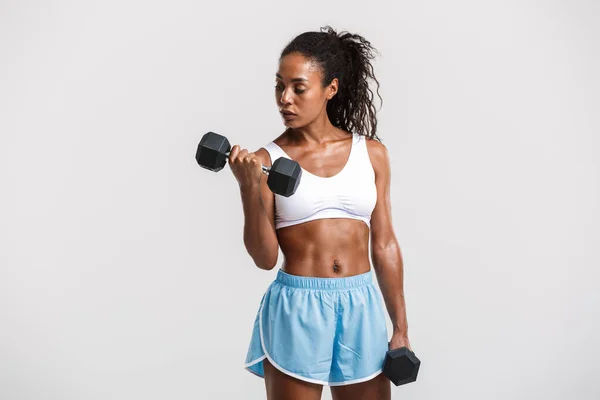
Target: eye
{"x":298,"y":91}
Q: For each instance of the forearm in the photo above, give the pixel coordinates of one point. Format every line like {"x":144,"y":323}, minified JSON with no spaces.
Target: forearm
{"x":259,"y":236}
{"x":389,"y":269}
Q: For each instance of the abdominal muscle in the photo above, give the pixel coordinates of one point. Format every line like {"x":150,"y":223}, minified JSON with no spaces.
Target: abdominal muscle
{"x":326,"y":248}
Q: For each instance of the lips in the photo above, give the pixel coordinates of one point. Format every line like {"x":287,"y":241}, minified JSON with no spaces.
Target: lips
{"x":287,"y":113}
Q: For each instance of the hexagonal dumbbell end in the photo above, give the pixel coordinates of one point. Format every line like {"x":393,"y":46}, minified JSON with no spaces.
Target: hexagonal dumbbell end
{"x":213,"y":151}
{"x":401,"y":366}
{"x":284,"y":176}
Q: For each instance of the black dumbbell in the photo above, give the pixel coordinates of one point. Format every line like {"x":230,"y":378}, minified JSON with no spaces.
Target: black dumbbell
{"x":284,"y":175}
{"x":401,"y":366}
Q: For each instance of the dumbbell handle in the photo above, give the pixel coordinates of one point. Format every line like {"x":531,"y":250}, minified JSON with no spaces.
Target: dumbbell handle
{"x":264,"y":169}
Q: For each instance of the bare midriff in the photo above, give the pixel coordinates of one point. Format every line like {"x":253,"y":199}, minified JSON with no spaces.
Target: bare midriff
{"x":326,"y":248}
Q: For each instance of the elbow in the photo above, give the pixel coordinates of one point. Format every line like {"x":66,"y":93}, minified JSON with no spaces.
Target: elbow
{"x":266,"y":260}
{"x":264,"y":255}
{"x":382,"y":255}
{"x":267,"y":264}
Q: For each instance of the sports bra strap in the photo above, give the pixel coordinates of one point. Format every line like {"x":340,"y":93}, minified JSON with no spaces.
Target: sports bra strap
{"x":274,"y":151}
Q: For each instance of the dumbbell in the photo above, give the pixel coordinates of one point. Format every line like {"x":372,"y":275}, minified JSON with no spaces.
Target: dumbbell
{"x":401,"y":366}
{"x":284,"y":175}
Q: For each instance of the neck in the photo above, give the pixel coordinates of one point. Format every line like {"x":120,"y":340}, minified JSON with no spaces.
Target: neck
{"x":316,"y":133}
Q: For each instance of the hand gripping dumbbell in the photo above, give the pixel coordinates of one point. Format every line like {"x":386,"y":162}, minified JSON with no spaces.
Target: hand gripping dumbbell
{"x":284,"y":175}
{"x":401,"y":366}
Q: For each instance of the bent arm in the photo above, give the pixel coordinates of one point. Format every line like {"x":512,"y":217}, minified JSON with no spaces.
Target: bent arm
{"x":260,"y":238}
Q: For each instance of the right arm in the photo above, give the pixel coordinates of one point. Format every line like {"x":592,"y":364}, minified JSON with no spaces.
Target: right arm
{"x":260,"y":238}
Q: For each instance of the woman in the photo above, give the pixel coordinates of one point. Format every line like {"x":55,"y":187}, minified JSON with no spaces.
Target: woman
{"x":322,"y":321}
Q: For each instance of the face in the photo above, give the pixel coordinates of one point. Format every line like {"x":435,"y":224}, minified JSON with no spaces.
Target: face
{"x":298,"y":90}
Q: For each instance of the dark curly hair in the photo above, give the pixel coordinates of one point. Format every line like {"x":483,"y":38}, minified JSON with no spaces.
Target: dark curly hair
{"x":344,"y":56}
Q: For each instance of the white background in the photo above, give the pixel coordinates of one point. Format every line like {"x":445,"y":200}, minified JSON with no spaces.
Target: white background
{"x":123,"y":273}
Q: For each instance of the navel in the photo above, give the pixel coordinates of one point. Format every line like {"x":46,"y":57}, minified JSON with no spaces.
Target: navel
{"x":336,"y":266}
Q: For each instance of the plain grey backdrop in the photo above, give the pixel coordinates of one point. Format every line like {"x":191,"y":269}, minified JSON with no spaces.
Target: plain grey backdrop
{"x":123,"y":273}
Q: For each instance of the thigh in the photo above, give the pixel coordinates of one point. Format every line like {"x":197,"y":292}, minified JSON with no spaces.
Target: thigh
{"x":284,"y":387}
{"x":377,"y":388}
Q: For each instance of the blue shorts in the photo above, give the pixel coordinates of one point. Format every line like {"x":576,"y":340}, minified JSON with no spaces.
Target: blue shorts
{"x":330,"y":331}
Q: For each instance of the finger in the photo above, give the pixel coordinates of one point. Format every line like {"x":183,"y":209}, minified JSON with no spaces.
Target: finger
{"x":242,"y":155}
{"x":234,"y":153}
{"x":250,"y":157}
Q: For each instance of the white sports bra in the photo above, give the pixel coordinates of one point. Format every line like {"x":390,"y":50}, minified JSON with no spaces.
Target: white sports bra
{"x":349,"y":194}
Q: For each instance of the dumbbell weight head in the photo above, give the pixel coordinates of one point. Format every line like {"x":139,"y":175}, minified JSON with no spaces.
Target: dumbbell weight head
{"x":213,"y":151}
{"x":401,"y":366}
{"x":284,"y":175}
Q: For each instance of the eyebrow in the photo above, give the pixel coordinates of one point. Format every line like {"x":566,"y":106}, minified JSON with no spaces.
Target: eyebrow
{"x":294,"y":79}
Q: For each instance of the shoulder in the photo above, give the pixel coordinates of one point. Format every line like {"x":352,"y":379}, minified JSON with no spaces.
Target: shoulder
{"x":379,"y":155}
{"x":264,"y":155}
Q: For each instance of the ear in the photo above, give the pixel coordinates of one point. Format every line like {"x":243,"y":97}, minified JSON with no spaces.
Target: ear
{"x":332,"y":88}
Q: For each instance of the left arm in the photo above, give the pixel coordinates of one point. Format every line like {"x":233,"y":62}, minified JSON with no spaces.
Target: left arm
{"x":386,"y":254}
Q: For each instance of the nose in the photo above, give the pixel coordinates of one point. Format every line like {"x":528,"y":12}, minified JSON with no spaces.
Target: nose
{"x":285,"y":97}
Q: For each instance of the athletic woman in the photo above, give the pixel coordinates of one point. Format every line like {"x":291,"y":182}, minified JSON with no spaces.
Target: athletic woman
{"x":322,"y":320}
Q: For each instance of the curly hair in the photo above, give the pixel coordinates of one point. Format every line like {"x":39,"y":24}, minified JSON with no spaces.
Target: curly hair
{"x":347,"y":57}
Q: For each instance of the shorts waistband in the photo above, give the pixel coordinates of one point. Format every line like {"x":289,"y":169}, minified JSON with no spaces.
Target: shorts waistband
{"x":313,"y":282}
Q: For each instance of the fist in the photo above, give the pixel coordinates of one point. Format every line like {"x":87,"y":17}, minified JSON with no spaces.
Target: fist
{"x":246,"y":166}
